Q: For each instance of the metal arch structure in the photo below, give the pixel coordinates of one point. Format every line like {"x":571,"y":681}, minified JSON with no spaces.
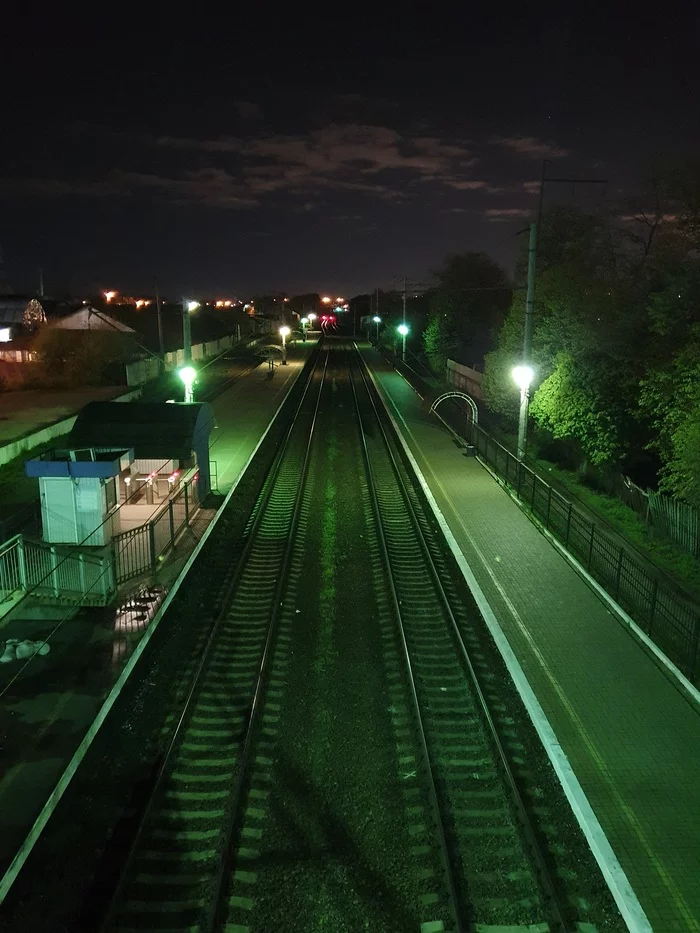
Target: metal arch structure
{"x":455,"y":393}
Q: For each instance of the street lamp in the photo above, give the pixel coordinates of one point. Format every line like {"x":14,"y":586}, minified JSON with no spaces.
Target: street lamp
{"x":284,"y":333}
{"x":312,"y":318}
{"x":187,"y":308}
{"x":188,"y":374}
{"x":377,"y":320}
{"x":523,"y":376}
{"x":304,"y":324}
{"x":403,"y":330}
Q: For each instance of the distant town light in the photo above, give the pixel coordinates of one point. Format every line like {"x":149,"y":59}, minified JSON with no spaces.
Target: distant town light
{"x":110,"y":295}
{"x":326,"y":300}
{"x":5,"y":335}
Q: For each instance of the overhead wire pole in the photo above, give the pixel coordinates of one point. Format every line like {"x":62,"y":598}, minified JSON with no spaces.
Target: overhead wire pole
{"x":525,"y":370}
{"x":161,"y":341}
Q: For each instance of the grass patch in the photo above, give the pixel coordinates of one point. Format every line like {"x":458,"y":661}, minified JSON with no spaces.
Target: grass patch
{"x":666,"y":555}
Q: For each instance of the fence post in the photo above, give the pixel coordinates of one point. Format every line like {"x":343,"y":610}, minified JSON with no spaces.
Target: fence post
{"x":549,"y":507}
{"x":568,"y":527}
{"x":54,"y":568}
{"x":694,"y":654}
{"x":590,"y":546}
{"x":152,"y":543}
{"x":618,"y":574}
{"x":172,"y":523}
{"x":519,"y":471}
{"x":22,"y":564}
{"x":652,"y":610}
{"x":507,"y":465}
{"x":187,"y":507}
{"x":81,"y":564}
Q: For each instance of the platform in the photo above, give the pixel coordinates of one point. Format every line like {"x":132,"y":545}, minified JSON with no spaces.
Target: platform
{"x":631,"y":733}
{"x":48,"y":704}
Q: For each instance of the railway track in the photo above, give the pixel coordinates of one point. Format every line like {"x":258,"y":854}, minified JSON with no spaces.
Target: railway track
{"x":495,"y":868}
{"x":482,"y":859}
{"x":176,"y":866}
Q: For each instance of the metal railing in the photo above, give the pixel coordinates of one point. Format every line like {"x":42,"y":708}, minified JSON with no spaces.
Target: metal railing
{"x":670,"y":621}
{"x":59,"y":573}
{"x":137,"y":550}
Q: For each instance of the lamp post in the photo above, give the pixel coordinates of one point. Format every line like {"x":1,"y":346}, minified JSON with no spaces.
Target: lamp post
{"x":304,"y":324}
{"x":284,"y":333}
{"x":377,"y":320}
{"x":188,"y":374}
{"x":312,"y":318}
{"x":403,"y":330}
{"x":523,"y":377}
{"x":187,"y":308}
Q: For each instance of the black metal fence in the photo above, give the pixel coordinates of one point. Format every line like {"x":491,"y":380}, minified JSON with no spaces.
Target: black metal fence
{"x":670,"y":621}
{"x":137,"y":550}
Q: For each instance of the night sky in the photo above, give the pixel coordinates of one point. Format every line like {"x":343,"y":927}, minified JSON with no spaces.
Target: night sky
{"x":255,"y":153}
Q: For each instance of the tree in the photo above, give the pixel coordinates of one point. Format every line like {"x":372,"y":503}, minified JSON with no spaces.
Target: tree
{"x":440,"y":342}
{"x":574,"y":402}
{"x":76,"y":358}
{"x":586,"y":370}
{"x":469,"y":301}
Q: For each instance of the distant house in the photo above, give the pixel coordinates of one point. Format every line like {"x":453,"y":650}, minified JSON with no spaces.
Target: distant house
{"x":87,"y":318}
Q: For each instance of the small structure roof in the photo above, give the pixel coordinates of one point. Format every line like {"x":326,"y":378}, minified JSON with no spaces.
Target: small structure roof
{"x":155,"y":430}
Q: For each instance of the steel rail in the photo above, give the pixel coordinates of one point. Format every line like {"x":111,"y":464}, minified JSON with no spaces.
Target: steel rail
{"x":462,"y":925}
{"x":557,"y":912}
{"x":227,"y":591}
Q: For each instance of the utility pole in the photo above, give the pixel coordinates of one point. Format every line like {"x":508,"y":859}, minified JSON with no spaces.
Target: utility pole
{"x":161,"y":342}
{"x":186,"y":332}
{"x":403,"y":321}
{"x":530,"y":297}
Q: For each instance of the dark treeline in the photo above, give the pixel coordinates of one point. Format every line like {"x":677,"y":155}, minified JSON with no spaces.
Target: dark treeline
{"x":616,"y":344}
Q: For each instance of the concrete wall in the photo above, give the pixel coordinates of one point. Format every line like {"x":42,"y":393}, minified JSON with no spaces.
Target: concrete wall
{"x":464,"y":378}
{"x":144,"y":370}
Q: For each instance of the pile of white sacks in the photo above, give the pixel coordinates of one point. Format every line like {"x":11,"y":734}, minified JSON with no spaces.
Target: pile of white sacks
{"x":16,"y":650}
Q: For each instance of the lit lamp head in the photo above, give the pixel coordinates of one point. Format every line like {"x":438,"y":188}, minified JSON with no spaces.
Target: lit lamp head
{"x":192,"y":305}
{"x":523,"y":376}
{"x":188,"y":374}
{"x":403,"y":329}
{"x":376,"y":319}
{"x":304,"y":321}
{"x":312,"y":317}
{"x":285,"y":332}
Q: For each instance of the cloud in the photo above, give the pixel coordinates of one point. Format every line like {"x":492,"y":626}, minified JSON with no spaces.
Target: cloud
{"x":343,"y":156}
{"x":532,"y":147}
{"x":506,"y":213}
{"x":210,"y":187}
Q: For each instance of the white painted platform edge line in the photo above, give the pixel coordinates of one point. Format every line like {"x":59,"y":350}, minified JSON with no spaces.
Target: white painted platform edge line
{"x":601,"y":592}
{"x":625,"y":898}
{"x":22,"y":855}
